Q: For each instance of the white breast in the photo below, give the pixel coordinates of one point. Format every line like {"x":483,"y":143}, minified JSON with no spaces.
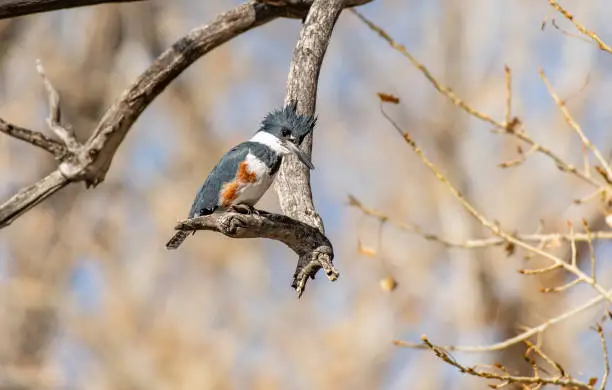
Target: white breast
{"x":250,"y":193}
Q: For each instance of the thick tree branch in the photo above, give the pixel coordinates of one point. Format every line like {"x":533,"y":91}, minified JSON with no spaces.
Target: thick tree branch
{"x":14,"y":8}
{"x":293,"y":180}
{"x":312,"y":247}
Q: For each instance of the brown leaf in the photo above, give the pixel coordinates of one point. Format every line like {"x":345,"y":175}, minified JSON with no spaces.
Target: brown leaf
{"x":366,"y":250}
{"x":510,"y":248}
{"x":388,"y":98}
{"x":592,"y":381}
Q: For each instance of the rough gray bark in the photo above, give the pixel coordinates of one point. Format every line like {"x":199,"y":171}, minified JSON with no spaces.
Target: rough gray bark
{"x":312,"y":247}
{"x":15,"y":8}
{"x":293,"y":180}
{"x":292,"y":183}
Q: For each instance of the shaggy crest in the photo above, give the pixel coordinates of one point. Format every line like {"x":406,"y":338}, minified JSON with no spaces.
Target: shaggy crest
{"x":300,"y":125}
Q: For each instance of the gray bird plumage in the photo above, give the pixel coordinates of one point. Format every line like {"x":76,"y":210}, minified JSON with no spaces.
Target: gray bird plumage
{"x":280,"y":133}
{"x":207,"y":198}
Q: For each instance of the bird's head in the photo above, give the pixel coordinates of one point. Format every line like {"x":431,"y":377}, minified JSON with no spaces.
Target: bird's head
{"x":289,"y":128}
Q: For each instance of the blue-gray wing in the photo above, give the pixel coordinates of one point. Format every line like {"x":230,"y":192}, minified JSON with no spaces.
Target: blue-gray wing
{"x":207,"y":198}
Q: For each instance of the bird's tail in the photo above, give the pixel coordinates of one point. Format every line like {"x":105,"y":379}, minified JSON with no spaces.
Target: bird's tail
{"x":177,"y":239}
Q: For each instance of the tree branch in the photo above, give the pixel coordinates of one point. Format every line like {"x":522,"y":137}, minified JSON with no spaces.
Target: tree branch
{"x":312,"y":247}
{"x":293,"y":180}
{"x":30,"y":196}
{"x":15,"y":8}
{"x":35,"y":138}
{"x":64,"y":133}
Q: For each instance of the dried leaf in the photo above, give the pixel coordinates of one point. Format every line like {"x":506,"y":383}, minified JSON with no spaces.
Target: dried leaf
{"x":519,"y":149}
{"x":510,"y":249}
{"x":388,"y":283}
{"x":592,"y":381}
{"x":388,"y":98}
{"x":353,"y":201}
{"x":366,"y":250}
{"x":603,"y":174}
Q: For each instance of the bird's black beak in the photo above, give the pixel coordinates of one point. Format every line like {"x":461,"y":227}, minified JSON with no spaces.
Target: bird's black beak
{"x":293,"y":148}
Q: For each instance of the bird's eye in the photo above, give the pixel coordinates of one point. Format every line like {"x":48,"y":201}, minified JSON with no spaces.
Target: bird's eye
{"x":285,"y":132}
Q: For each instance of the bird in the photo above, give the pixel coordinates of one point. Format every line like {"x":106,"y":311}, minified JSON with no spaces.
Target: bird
{"x":246,"y":171}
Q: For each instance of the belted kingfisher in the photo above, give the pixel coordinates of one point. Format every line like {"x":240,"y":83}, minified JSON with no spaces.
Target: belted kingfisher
{"x":246,"y":172}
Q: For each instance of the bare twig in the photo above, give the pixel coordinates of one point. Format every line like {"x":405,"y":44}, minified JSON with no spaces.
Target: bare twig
{"x":55,"y":114}
{"x":482,"y":242}
{"x":490,"y":225}
{"x":313,"y":248}
{"x":561,"y":288}
{"x":504,"y":378}
{"x":511,"y":128}
{"x":508,"y":115}
{"x":575,"y":126}
{"x":525,"y":335}
{"x":35,"y":138}
{"x":538,"y":271}
{"x":536,"y":348}
{"x":591,"y":251}
{"x":567,"y":33}
{"x":604,"y":348}
{"x":14,"y":8}
{"x":602,"y":45}
{"x":574,"y":252}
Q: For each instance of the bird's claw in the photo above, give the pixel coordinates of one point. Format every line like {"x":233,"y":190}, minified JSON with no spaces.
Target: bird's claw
{"x":244,"y":209}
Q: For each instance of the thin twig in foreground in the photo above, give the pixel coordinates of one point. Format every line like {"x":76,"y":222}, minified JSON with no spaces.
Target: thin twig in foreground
{"x":512,"y":128}
{"x":504,"y":378}
{"x":491,"y":226}
{"x":602,"y":45}
{"x":574,"y":125}
{"x":518,"y":338}
{"x":57,"y":149}
{"x":476,"y":243}
{"x":55,"y":114}
{"x":604,"y":348}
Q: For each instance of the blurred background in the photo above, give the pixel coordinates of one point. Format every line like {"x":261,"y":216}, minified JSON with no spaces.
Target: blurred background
{"x":90,"y":298}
